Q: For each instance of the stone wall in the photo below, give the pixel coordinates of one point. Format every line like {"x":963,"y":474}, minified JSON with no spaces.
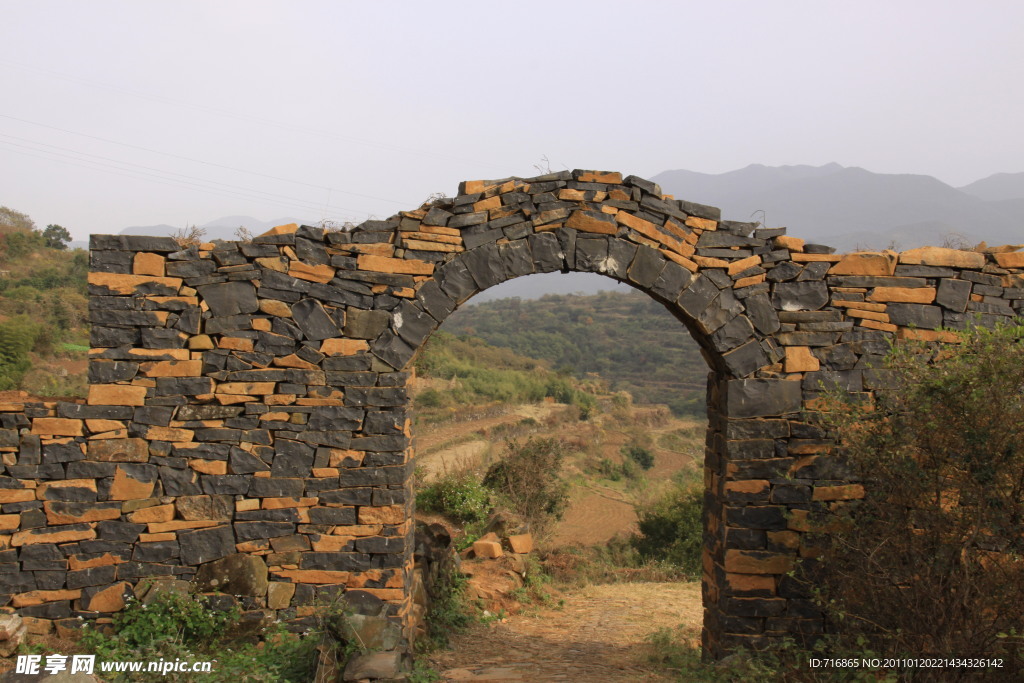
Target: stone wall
{"x":249,"y":399}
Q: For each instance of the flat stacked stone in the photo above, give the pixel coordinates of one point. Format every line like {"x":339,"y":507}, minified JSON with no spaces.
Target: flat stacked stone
{"x":248,"y":415}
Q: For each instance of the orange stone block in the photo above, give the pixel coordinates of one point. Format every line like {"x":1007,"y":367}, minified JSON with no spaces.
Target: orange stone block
{"x":9,"y":523}
{"x":16,"y":495}
{"x":607,"y":177}
{"x":235,"y":343}
{"x":748,"y":281}
{"x":104,"y":560}
{"x":120,"y":283}
{"x":302,"y":271}
{"x":157,"y":513}
{"x":815,"y":258}
{"x":866,"y":263}
{"x":390,"y":514}
{"x":910,"y":295}
{"x":286,"y":229}
{"x":747,"y":486}
{"x":743,"y":562}
{"x":702,"y":223}
{"x":875,"y":325}
{"x":209,"y":466}
{"x":744,"y":263}
{"x":148,"y":264}
{"x":868,"y":315}
{"x":116,"y":395}
{"x":177,"y":525}
{"x":385,"y":264}
{"x":749,"y":583}
{"x":98,"y":426}
{"x":39,"y":597}
{"x":521,"y":543}
{"x":1013,"y":259}
{"x":109,"y":599}
{"x":800,"y":359}
{"x":343,"y":347}
{"x":844,"y":492}
{"x":860,"y":305}
{"x":313,"y":576}
{"x":939,"y":256}
{"x":487,"y":204}
{"x":948,"y":336}
{"x":172,"y":368}
{"x":57,"y":426}
{"x":169,"y":434}
{"x":487,"y":549}
{"x":118,"y":450}
{"x":246,"y":388}
{"x":588,"y":221}
{"x":791,"y":243}
{"x":51,"y":535}
{"x":126,"y":488}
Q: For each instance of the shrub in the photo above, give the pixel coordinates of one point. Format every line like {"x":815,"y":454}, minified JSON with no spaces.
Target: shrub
{"x":671,"y":529}
{"x":528,"y":479}
{"x":640,"y":455}
{"x":930,"y":561}
{"x":458,"y":495}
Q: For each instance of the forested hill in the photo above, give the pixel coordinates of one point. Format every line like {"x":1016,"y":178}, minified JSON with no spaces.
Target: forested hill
{"x":625,"y":337}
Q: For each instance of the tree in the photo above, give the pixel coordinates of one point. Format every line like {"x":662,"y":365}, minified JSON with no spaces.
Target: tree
{"x":15,"y":220}
{"x":56,"y":236}
{"x":931,"y":560}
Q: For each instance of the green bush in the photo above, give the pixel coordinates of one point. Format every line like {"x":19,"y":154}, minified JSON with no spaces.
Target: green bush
{"x":640,"y":455}
{"x":932,"y":558}
{"x":672,"y":530}
{"x":527,"y":478}
{"x":458,"y":495}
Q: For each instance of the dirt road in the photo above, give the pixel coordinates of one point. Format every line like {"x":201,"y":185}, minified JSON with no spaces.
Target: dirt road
{"x":597,"y":636}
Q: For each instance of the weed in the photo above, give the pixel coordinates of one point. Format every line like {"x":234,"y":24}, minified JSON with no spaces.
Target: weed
{"x":458,"y":495}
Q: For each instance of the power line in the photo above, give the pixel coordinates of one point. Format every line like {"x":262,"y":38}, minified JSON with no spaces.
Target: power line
{"x":244,"y":117}
{"x":161,"y":171}
{"x":139,"y":175}
{"x":200,"y":161}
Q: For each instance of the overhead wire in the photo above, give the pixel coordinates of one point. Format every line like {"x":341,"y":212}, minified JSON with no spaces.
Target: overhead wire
{"x":170,"y":173}
{"x":244,"y":117}
{"x":130,"y":173}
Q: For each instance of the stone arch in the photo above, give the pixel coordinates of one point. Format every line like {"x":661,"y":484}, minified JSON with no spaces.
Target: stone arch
{"x":260,"y":388}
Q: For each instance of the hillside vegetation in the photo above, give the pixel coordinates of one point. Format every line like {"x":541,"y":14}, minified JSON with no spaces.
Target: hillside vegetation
{"x":626,"y":338}
{"x":43,"y":308}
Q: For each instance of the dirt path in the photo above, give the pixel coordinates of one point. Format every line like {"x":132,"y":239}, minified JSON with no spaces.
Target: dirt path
{"x":597,"y":636}
{"x":435,"y":458}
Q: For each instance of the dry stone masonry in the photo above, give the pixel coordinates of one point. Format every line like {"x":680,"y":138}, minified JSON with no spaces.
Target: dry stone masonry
{"x":247,"y":426}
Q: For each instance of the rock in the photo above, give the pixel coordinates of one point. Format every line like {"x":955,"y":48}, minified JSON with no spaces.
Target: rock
{"x":374,"y":632}
{"x":373,"y":665}
{"x":521,"y":543}
{"x":149,"y":590}
{"x":939,"y":256}
{"x":487,"y":549}
{"x":314,"y":321}
{"x":230,"y":298}
{"x":205,"y":545}
{"x":279,"y":594}
{"x":236,"y":575}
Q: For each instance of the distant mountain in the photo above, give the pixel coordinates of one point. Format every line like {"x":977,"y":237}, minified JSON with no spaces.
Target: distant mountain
{"x":997,"y":187}
{"x":852,"y":207}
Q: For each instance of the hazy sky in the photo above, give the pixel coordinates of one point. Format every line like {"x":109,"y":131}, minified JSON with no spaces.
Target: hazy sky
{"x":137,"y":113}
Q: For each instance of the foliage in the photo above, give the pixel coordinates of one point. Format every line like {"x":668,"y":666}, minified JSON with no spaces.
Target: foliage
{"x":56,"y":236}
{"x":43,"y":306}
{"x":930,"y":561}
{"x":18,"y":336}
{"x":458,"y":495}
{"x":184,"y":627}
{"x":671,"y":529}
{"x":477,"y":371}
{"x":599,"y":334}
{"x":448,"y":610}
{"x":640,"y":455}
{"x":527,"y":478}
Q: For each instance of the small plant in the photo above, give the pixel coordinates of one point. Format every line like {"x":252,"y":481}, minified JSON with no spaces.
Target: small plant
{"x":528,"y":479}
{"x":671,"y":529}
{"x":640,"y":455}
{"x":458,"y":495}
{"x":189,"y":236}
{"x":448,"y":610}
